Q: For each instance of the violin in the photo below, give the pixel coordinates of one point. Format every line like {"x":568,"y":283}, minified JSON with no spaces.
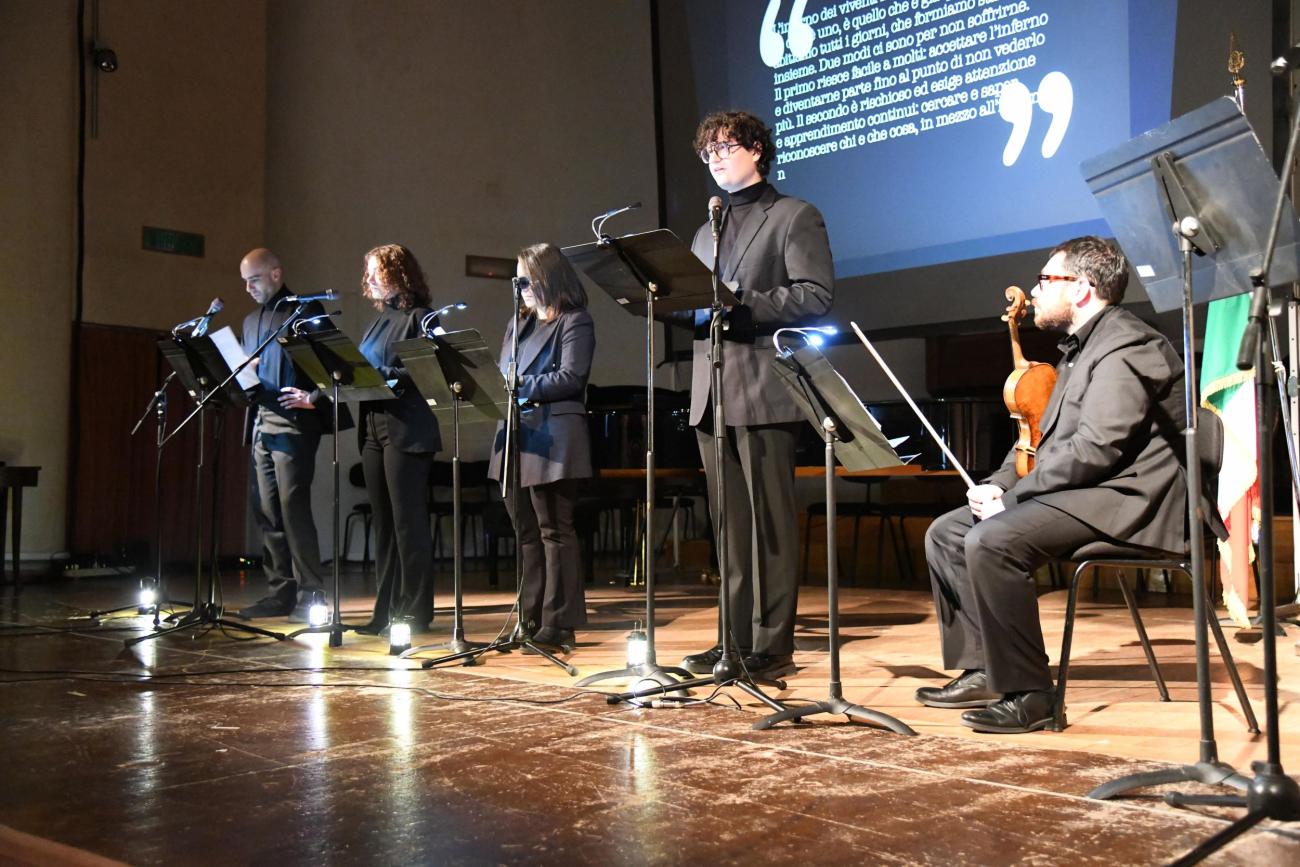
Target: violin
{"x":1027,"y":389}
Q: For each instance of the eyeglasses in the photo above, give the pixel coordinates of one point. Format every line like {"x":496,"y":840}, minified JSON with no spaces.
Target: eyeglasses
{"x":521,"y":284}
{"x":721,"y":149}
{"x":1052,"y":278}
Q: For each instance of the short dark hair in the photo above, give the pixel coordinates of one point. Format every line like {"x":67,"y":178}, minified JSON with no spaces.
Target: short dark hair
{"x":401,"y":272}
{"x":1099,"y":260}
{"x":555,"y":284}
{"x":749,"y":131}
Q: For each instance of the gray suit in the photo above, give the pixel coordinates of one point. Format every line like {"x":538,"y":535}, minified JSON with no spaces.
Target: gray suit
{"x":1108,"y":467}
{"x":781,"y":261}
{"x":554,"y":452}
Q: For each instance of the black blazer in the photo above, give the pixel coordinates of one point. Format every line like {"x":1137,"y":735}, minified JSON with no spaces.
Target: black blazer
{"x":412,"y":427}
{"x":1111,"y":453}
{"x":782,"y":263}
{"x":554,"y":363}
{"x":276,"y":369}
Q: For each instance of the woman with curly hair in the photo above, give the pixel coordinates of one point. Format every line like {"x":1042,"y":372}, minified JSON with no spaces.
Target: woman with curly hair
{"x":398,"y":439}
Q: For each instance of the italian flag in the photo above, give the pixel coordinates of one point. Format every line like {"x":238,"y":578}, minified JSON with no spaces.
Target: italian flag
{"x":1230,"y":394}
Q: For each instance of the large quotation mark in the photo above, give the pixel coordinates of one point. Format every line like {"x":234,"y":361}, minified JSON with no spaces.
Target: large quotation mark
{"x":800,"y":35}
{"x":1016,"y":106}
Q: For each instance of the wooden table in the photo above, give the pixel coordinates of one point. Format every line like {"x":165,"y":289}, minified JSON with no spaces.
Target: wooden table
{"x":15,"y":479}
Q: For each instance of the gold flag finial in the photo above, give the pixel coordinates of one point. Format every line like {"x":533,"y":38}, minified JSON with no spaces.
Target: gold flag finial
{"x":1236,"y":61}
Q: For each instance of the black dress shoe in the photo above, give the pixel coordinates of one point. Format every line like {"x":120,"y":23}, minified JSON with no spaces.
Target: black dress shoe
{"x":556,"y":638}
{"x":702,"y":663}
{"x":770,"y":666}
{"x":1016,"y":713}
{"x":271,"y":606}
{"x":970,"y":689}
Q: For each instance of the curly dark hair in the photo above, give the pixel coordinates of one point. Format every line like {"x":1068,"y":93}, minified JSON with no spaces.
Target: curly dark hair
{"x":749,"y":131}
{"x":1101,"y":261}
{"x":401,"y":273}
{"x":555,"y":284}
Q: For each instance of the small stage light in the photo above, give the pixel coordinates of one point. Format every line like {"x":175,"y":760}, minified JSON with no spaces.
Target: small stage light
{"x":318,"y":613}
{"x":148,"y":598}
{"x":636,"y":647}
{"x":399,"y":635}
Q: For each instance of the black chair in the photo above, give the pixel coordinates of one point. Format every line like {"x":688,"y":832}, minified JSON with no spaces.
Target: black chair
{"x":859,"y":512}
{"x":361,"y":511}
{"x":474,"y":497}
{"x":1121,"y":557}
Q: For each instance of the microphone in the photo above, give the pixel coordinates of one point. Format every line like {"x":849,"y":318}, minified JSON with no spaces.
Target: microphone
{"x":201,"y":327}
{"x":715,"y":216}
{"x":327,"y":295}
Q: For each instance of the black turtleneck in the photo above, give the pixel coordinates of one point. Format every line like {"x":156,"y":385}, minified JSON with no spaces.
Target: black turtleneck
{"x":739,"y":206}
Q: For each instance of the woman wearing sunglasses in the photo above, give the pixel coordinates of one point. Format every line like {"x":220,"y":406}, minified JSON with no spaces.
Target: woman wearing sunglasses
{"x":556,"y":339}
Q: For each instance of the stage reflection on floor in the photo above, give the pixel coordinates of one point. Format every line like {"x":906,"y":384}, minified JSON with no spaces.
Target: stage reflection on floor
{"x":206,"y":747}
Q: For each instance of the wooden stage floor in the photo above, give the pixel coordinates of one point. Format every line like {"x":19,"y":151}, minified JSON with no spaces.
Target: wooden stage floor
{"x":202,"y":748}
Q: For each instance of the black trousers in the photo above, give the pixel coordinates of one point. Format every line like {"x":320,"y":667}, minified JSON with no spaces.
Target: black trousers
{"x":282,"y":470}
{"x":984,"y":591}
{"x":762,"y":577}
{"x":397,"y":483}
{"x":552,"y":593}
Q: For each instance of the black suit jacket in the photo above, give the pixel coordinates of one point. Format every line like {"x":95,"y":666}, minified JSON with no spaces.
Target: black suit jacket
{"x":412,"y":427}
{"x":276,"y":370}
{"x":554,"y":364}
{"x":1111,"y":453}
{"x":782,"y":263}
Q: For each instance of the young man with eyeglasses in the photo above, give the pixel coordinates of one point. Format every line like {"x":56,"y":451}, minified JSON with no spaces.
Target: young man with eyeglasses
{"x":775,"y":256}
{"x":1106,"y":469}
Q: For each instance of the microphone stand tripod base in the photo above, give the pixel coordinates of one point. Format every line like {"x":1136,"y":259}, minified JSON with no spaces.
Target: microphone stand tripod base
{"x":727,"y":672}
{"x":648,"y":670}
{"x":505,"y":645}
{"x":205,"y":614}
{"x":836,"y":705}
{"x":457,"y":645}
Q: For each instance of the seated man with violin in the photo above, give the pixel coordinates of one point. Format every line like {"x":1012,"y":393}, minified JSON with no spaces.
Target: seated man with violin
{"x":1108,"y":467}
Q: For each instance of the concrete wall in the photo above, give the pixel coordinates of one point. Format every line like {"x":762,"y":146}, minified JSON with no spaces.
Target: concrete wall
{"x":456,"y":129}
{"x":38,"y":164}
{"x":182,"y":131}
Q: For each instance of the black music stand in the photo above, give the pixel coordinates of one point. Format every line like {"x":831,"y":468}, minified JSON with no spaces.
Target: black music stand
{"x":205,"y":375}
{"x":1206,"y":175}
{"x":522,"y":636}
{"x":650,"y":274}
{"x":852,"y":436}
{"x":658,"y":254}
{"x":331,"y":360}
{"x":157,"y":407}
{"x":457,"y":376}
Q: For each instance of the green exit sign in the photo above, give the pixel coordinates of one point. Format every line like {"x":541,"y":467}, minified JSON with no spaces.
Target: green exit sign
{"x":172,"y":241}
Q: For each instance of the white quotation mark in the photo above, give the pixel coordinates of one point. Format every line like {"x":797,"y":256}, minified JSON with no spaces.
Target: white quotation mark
{"x":1016,"y":106}
{"x":800,"y":36}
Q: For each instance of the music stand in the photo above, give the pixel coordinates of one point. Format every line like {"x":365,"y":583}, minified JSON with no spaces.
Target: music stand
{"x":457,"y":376}
{"x":853,"y":437}
{"x":331,"y":360}
{"x":657,"y":251}
{"x":1206,"y":175}
{"x":203,"y":373}
{"x":157,"y":407}
{"x":650,"y":274}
